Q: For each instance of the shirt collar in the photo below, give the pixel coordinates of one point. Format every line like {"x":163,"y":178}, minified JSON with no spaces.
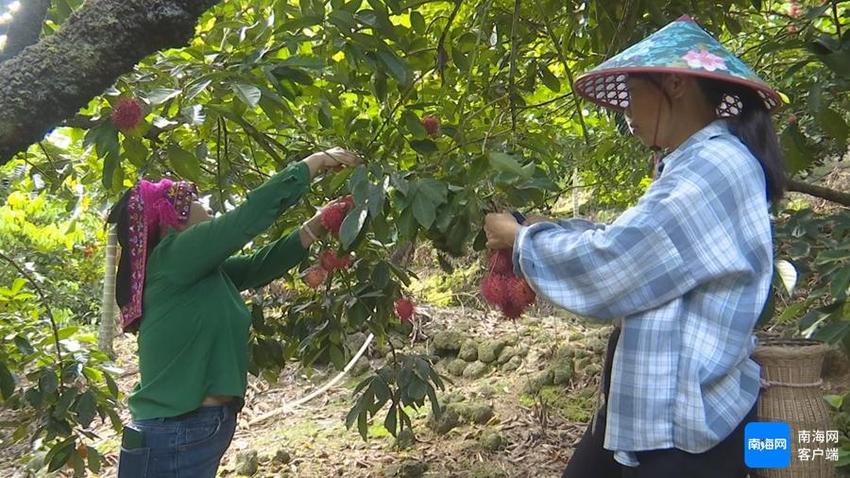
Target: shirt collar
{"x":711,"y":130}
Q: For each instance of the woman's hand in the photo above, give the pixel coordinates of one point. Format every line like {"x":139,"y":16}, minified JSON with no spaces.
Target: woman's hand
{"x":501,"y":230}
{"x":334,"y":158}
{"x":312,"y":230}
{"x":315,"y":228}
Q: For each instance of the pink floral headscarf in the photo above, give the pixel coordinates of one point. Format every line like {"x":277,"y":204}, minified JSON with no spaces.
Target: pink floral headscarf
{"x":152,"y":208}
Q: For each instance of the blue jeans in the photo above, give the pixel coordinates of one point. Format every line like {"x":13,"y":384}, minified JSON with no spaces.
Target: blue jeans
{"x":189,"y":445}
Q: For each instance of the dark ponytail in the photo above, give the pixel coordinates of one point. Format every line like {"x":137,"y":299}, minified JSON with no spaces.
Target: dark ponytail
{"x":753,"y":126}
{"x":119,"y":216}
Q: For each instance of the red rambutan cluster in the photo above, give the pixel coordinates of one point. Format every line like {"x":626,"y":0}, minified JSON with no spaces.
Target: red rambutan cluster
{"x":334,"y":213}
{"x":502,"y":289}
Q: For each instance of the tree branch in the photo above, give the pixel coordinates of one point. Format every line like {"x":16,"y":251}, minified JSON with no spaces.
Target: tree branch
{"x":819,"y":192}
{"x":25,"y":27}
{"x":53,"y":79}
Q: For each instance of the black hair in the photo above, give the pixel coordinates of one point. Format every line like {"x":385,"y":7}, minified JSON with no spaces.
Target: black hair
{"x":752,"y":125}
{"x":120,"y":216}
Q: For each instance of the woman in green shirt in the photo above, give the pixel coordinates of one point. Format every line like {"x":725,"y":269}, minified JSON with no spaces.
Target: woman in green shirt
{"x":178,"y":285}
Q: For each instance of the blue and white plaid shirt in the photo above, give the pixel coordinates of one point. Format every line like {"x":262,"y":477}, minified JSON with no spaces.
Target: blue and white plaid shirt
{"x":688,"y":270}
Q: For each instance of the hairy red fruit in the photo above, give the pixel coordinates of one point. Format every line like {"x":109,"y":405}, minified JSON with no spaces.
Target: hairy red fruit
{"x":512,"y":311}
{"x":520,"y":292}
{"x":501,"y":262}
{"x":795,"y":10}
{"x":792,"y":28}
{"x":315,"y":277}
{"x":127,"y":114}
{"x":404,"y":309}
{"x":348,"y":202}
{"x":330,"y":261}
{"x":432,"y":125}
{"x":332,"y":217}
{"x":494,"y":288}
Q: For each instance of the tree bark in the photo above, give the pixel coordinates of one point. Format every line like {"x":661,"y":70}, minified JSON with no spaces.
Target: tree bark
{"x":25,"y":28}
{"x":53,"y":79}
{"x":819,"y":191}
{"x":108,"y":307}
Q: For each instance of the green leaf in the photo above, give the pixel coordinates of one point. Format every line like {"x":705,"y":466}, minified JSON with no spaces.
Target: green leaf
{"x":325,"y":115}
{"x":834,"y":332}
{"x":249,"y":94}
{"x":110,"y":384}
{"x":24,"y":346}
{"x":64,"y":403}
{"x":834,"y":401}
{"x":424,"y":146}
{"x":797,"y":156}
{"x":105,"y":140}
{"x":379,"y":85}
{"x":548,"y":79}
{"x":343,"y":19}
{"x":362,"y":425}
{"x":391,"y":422}
{"x":417,"y":389}
{"x":136,"y":151}
{"x":377,"y":197}
{"x":184,"y":163}
{"x":506,"y":163}
{"x":196,"y":89}
{"x":48,"y":382}
{"x":840,"y":282}
{"x":158,"y":96}
{"x":60,"y":453}
{"x":395,"y":65}
{"x":414,"y":124}
{"x":7,"y":382}
{"x":459,"y":58}
{"x":94,"y":459}
{"x":352,"y":225}
{"x":86,"y":408}
{"x":67,"y":332}
{"x":834,"y":125}
{"x":417,"y":22}
{"x":429,"y":195}
{"x":337,"y":358}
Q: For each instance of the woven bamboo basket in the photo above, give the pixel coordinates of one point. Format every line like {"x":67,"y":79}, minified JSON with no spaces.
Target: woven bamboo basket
{"x":791,"y":373}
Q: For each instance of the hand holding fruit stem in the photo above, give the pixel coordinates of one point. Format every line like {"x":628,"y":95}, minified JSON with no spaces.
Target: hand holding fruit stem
{"x":333,"y":158}
{"x":501,"y":230}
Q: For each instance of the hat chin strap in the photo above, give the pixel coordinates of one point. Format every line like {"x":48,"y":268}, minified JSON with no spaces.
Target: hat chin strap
{"x":657,"y":151}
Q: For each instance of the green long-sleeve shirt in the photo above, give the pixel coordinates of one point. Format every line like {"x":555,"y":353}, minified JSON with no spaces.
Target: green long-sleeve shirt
{"x":193,"y":338}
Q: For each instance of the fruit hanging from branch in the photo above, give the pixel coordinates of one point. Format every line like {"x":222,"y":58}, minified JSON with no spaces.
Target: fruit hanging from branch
{"x":334,"y":213}
{"x":127,"y":114}
{"x":502,"y":289}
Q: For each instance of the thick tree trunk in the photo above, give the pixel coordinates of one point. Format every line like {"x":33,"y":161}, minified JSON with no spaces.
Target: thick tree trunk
{"x":820,"y":192}
{"x":51,"y":80}
{"x":25,"y":28}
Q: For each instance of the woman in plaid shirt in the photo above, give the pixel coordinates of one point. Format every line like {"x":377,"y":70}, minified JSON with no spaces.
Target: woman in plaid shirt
{"x":684,"y":274}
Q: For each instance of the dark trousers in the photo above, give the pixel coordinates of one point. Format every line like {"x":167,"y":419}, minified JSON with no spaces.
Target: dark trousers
{"x":591,"y":460}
